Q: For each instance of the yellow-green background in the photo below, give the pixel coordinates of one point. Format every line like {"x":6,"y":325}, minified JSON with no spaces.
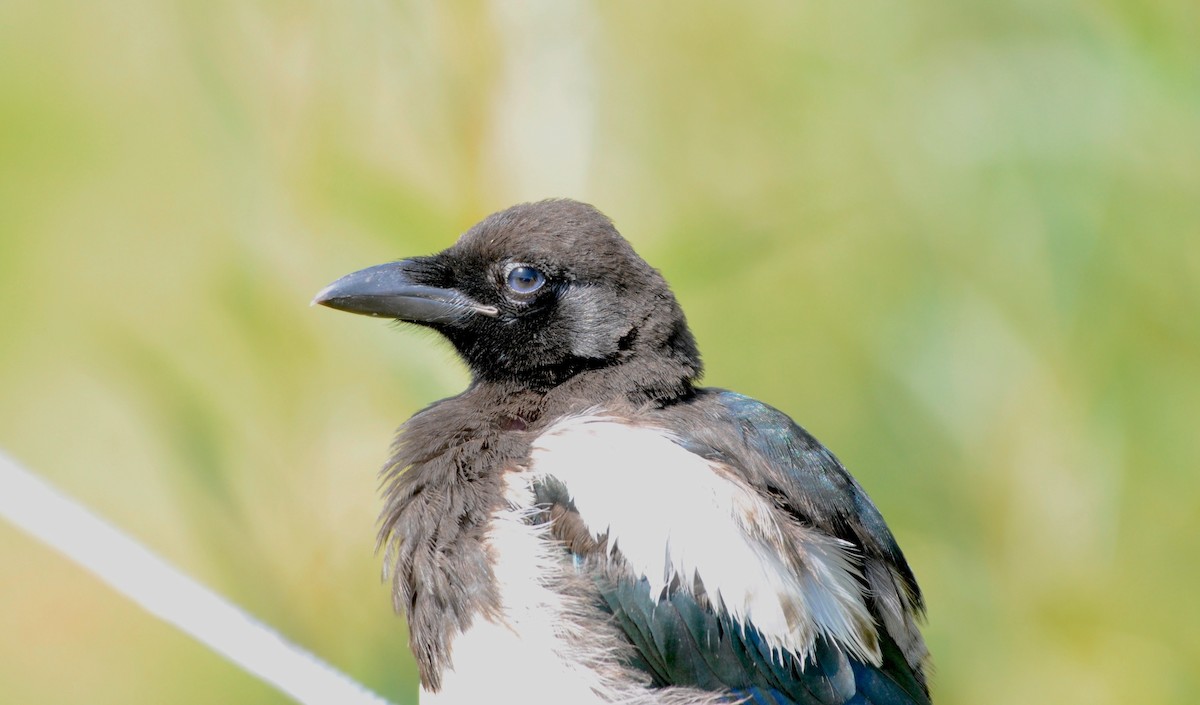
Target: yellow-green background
{"x":959,"y":241}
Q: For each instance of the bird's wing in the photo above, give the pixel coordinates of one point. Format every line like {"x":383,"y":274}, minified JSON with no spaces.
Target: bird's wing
{"x":781,"y":460}
{"x":735,"y":553}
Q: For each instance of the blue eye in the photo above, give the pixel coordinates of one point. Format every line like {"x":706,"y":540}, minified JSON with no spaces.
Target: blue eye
{"x":524,"y":279}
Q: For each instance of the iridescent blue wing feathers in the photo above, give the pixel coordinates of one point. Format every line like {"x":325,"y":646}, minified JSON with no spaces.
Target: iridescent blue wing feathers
{"x":682,"y":640}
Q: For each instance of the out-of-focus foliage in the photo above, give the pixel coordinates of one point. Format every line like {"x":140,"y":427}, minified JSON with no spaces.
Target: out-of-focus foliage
{"x":959,"y":241}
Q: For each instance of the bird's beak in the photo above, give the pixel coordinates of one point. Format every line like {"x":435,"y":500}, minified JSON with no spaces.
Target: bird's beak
{"x":389,"y":291}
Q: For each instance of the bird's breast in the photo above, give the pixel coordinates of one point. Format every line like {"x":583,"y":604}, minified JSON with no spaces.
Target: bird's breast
{"x":655,"y":512}
{"x":543,"y":644}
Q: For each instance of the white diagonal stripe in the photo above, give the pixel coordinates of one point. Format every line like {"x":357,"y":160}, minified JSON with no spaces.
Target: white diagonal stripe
{"x":131,"y":569}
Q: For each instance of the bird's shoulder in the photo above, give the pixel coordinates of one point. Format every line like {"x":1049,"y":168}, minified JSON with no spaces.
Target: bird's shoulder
{"x":778,"y":457}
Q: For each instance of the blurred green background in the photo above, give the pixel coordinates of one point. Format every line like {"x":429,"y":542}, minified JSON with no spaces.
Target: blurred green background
{"x":958,"y":241}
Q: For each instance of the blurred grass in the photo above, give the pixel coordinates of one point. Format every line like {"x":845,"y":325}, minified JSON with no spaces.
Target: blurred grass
{"x":960,"y":242}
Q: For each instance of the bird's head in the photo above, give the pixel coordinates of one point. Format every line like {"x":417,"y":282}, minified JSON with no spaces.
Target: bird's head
{"x":536,"y":295}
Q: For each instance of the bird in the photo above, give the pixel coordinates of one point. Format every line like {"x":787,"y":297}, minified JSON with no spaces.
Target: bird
{"x":585,"y":523}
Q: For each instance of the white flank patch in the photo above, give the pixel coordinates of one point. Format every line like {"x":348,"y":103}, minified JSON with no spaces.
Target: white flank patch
{"x":670,"y":512}
{"x":526,"y":656}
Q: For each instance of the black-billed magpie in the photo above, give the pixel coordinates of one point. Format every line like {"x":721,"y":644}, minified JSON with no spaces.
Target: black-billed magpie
{"x":584,"y":524}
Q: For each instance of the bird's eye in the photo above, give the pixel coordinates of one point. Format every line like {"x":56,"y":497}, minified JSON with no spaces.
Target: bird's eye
{"x":524,"y":279}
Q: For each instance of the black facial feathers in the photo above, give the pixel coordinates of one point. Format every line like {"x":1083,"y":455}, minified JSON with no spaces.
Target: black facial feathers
{"x":601,"y":305}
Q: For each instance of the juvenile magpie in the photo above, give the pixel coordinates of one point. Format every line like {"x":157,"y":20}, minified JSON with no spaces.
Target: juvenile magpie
{"x":584,"y":524}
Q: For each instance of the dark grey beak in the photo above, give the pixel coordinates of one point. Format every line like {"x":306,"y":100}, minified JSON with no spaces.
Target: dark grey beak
{"x":388,"y":291}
